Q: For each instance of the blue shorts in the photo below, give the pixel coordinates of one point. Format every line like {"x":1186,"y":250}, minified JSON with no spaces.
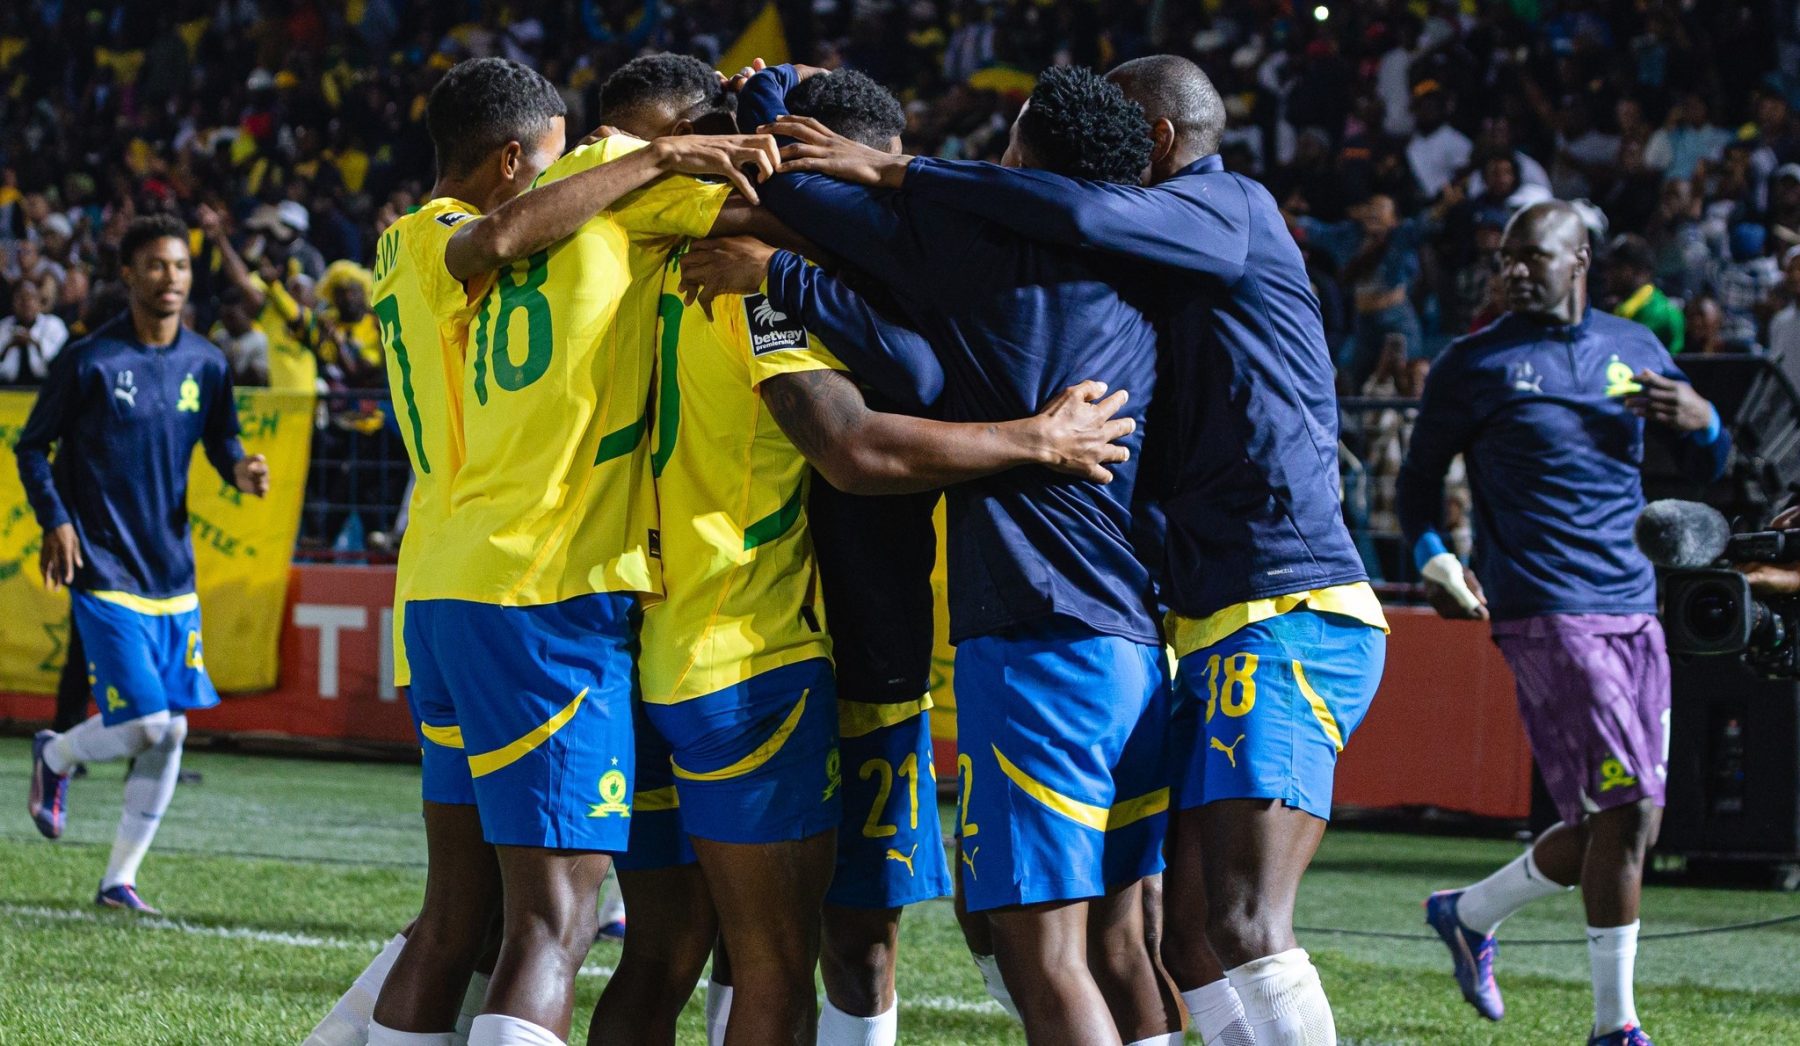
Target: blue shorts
{"x":757,"y":762}
{"x":890,"y":847}
{"x":443,"y":766}
{"x":540,"y":699}
{"x":1264,"y":712}
{"x":657,"y":838}
{"x":1064,"y":777}
{"x":143,"y":658}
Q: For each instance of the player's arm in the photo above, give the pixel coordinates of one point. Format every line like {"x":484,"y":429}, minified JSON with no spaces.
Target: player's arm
{"x":532,"y":221}
{"x":1445,"y":427}
{"x":1683,"y":419}
{"x":52,"y":417}
{"x":1165,"y":224}
{"x":248,"y":473}
{"x":861,"y":451}
{"x":889,"y":357}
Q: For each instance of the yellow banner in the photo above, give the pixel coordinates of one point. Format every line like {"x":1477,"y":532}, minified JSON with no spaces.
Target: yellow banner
{"x":763,"y":38}
{"x":242,"y":550}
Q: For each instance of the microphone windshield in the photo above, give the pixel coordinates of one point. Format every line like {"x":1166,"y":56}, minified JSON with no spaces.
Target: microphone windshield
{"x":1682,"y":535}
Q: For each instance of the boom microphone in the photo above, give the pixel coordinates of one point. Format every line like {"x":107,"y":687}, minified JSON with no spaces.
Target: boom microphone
{"x":1681,"y":535}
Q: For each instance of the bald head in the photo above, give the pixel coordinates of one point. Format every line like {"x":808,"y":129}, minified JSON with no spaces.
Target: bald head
{"x":1173,"y":89}
{"x":1544,"y":262}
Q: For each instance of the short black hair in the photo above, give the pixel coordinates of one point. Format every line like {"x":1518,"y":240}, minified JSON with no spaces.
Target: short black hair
{"x":659,"y":79}
{"x":1174,"y":89}
{"x":147,"y":228}
{"x":482,"y":104}
{"x":851,"y":104}
{"x":1081,"y":125}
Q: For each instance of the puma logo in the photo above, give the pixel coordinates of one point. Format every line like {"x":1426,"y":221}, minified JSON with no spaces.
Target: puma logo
{"x":968,"y":858}
{"x":905,"y":858}
{"x":129,"y":395}
{"x":1229,"y":750}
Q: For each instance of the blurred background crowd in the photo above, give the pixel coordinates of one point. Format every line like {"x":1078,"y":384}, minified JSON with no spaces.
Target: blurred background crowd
{"x":1399,"y":135}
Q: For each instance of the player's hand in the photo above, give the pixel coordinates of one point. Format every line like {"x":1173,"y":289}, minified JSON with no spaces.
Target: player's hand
{"x":724,"y":265}
{"x":818,"y":149}
{"x":60,"y":557}
{"x":1670,"y":402}
{"x":251,"y":475}
{"x":1446,"y":605}
{"x":1077,"y":433}
{"x":210,"y":222}
{"x":735,"y":157}
{"x":736,"y":82}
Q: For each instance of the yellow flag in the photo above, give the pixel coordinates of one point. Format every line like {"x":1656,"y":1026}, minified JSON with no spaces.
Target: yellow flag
{"x":763,"y":38}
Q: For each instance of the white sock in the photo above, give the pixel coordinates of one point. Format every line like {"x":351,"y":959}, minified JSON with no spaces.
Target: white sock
{"x":1484,"y":906}
{"x":1612,"y":954}
{"x":497,"y":1029}
{"x":837,"y":1028}
{"x":92,"y":741}
{"x":380,"y":1036}
{"x":148,"y":789}
{"x":1218,"y":1014}
{"x":718,"y":1011}
{"x":1284,"y":1002}
{"x":348,"y":1022}
{"x":1173,"y":1038}
{"x":996,"y":985}
{"x":612,"y":902}
{"x":471,"y":1006}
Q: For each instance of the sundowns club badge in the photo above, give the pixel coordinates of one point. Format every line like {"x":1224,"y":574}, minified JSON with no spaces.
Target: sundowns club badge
{"x":770,"y":329}
{"x":612,"y":796}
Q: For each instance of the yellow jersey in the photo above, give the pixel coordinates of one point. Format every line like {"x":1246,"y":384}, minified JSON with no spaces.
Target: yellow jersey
{"x":553,"y":498}
{"x":423,"y":313}
{"x":739,"y":579}
{"x":292,"y":365}
{"x":1356,"y":601}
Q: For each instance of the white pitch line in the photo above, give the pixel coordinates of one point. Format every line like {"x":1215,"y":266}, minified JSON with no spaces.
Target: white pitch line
{"x":931,"y":1003}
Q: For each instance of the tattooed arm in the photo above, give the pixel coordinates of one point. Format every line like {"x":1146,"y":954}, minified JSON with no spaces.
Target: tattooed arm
{"x":861,"y":451}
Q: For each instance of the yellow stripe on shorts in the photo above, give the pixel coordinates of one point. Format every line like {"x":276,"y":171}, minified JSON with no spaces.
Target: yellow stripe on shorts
{"x":153,"y":607}
{"x":1092,"y":816}
{"x":1320,"y":712}
{"x":655,"y":800}
{"x":763,"y":753}
{"x":1131,"y":811}
{"x":442,"y":736}
{"x":501,"y":758}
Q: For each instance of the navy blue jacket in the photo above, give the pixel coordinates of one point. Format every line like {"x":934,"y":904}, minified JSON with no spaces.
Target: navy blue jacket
{"x":1553,"y":457}
{"x":1013,"y":322}
{"x":1243,"y":461}
{"x":124,"y":418}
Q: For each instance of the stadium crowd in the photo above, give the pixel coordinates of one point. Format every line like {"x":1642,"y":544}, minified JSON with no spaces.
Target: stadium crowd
{"x":1398,"y":137}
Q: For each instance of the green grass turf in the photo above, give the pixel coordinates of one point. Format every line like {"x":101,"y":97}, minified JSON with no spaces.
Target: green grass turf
{"x":282,"y":877}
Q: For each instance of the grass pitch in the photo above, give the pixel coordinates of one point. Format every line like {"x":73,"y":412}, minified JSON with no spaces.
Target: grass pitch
{"x":281,"y":878}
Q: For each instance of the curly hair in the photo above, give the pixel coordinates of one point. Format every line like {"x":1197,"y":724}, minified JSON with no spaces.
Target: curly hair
{"x":850,"y":104}
{"x":482,"y":104}
{"x":146,"y":229}
{"x":682,"y":81}
{"x":1081,"y":125}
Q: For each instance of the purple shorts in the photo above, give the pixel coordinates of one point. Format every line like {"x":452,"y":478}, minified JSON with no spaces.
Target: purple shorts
{"x":1594,"y":694}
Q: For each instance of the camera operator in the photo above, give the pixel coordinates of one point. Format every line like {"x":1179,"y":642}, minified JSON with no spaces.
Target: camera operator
{"x":1775,"y":579}
{"x":1549,"y":405}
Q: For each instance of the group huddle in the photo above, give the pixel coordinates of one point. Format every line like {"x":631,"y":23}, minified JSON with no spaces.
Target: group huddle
{"x":633,"y":623}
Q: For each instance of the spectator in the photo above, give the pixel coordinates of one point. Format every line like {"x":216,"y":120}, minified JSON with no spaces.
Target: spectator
{"x":29,"y":265}
{"x":245,"y":344}
{"x":1784,"y":327}
{"x":74,"y":299}
{"x":1685,"y":138}
{"x":1704,"y":321}
{"x":1585,"y":155}
{"x":1437,"y":151}
{"x":30,"y":338}
{"x":1684,"y":263}
{"x":1475,"y":290}
{"x":1378,"y":257}
{"x":284,"y":227}
{"x":1744,"y":283}
{"x":1631,"y":286}
{"x":1784,"y":207}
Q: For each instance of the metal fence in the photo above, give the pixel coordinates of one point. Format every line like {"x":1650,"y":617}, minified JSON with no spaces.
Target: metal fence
{"x":359,"y":478}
